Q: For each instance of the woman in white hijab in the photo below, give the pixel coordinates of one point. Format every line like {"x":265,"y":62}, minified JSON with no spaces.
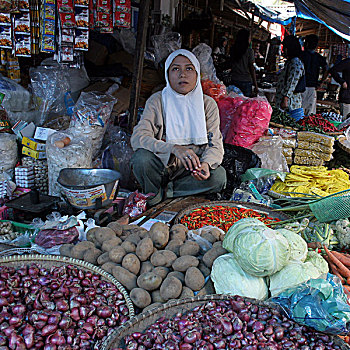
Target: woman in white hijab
{"x":177,"y":143}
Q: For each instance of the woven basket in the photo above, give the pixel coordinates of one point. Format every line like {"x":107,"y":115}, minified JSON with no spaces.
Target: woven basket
{"x":144,"y":320}
{"x":257,"y":207}
{"x":343,"y":144}
{"x":49,"y":261}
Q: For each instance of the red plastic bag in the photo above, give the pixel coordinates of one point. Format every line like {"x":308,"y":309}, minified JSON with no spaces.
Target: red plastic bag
{"x":249,"y":121}
{"x":216,"y":91}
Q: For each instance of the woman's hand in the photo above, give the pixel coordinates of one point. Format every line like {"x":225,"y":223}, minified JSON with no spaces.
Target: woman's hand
{"x":202,"y":173}
{"x":284,"y":102}
{"x":188,"y":158}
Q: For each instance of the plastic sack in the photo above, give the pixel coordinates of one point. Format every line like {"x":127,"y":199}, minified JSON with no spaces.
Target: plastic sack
{"x":203,"y":52}
{"x":91,"y":116}
{"x":269,"y":151}
{"x":249,"y":121}
{"x":318,"y":303}
{"x":78,"y":154}
{"x":17,"y":98}
{"x":8,"y":151}
{"x":165,"y":44}
{"x":50,"y":86}
{"x":195,"y":235}
{"x":215,"y":90}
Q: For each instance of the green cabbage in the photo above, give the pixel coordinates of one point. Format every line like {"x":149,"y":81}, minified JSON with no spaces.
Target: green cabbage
{"x":317,"y":260}
{"x":292,"y":275}
{"x":298,"y":246}
{"x":259,"y":250}
{"x":229,"y":278}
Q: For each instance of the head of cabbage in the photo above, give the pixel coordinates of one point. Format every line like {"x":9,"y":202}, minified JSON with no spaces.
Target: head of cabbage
{"x":290,"y":276}
{"x":298,"y":246}
{"x":317,"y":260}
{"x":259,"y":250}
{"x":229,"y":278}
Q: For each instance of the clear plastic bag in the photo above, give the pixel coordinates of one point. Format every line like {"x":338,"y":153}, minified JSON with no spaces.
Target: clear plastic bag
{"x":165,"y":44}
{"x":91,"y":116}
{"x":78,"y":154}
{"x":203,"y":52}
{"x":269,"y":151}
{"x":8,"y":151}
{"x":195,"y":235}
{"x":127,"y":39}
{"x":318,"y":303}
{"x":50,"y":86}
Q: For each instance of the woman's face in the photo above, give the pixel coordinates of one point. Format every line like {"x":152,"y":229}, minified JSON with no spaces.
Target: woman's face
{"x":182,"y":75}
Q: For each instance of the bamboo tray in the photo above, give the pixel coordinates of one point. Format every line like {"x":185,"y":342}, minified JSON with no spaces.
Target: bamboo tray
{"x":256,"y":207}
{"x":141,"y":322}
{"x":343,"y":144}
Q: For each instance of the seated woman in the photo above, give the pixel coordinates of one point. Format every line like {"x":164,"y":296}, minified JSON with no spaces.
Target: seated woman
{"x":178,"y":144}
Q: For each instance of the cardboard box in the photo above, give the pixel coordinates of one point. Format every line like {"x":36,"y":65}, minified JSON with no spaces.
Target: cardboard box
{"x":32,"y":144}
{"x":34,"y":154}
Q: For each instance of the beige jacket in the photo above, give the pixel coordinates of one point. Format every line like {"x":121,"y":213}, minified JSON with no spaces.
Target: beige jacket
{"x":149,"y":134}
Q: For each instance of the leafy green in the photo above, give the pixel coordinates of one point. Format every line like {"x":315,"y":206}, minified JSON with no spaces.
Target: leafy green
{"x":298,"y":246}
{"x":317,"y":260}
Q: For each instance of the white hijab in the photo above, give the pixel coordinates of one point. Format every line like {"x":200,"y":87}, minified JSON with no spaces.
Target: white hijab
{"x":184,"y":115}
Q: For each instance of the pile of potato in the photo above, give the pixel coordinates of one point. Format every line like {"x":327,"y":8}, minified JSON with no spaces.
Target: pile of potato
{"x":154,"y":266}
{"x":7,"y":232}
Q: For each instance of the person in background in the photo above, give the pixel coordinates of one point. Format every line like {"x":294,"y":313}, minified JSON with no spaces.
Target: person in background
{"x":313,"y":62}
{"x":219,"y":53}
{"x":178,"y":144}
{"x":344,"y":81}
{"x":288,"y":93}
{"x":242,"y":64}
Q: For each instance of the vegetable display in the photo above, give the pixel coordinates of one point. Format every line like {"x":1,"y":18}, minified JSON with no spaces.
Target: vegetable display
{"x":221,"y":216}
{"x":228,"y":324}
{"x":57,"y":308}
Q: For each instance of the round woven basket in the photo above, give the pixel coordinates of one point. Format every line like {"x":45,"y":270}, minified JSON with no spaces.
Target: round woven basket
{"x":257,"y":207}
{"x":343,"y":144}
{"x":144,"y":320}
{"x":49,"y":261}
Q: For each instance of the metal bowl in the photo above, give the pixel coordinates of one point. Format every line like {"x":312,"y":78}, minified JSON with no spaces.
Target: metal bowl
{"x":83,"y":187}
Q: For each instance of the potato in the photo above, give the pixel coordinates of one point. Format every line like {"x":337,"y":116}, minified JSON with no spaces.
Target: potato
{"x":216,"y":233}
{"x":103,"y":258}
{"x":184,"y":262}
{"x":217,"y":244}
{"x":117,"y":254}
{"x":209,"y":237}
{"x":143,"y":234}
{"x":149,"y":281}
{"x":179,"y":275}
{"x":91,"y":255}
{"x":109,"y":266}
{"x":146,"y":266}
{"x":156,"y":297}
{"x":65,"y":249}
{"x":110,"y":244}
{"x":171,"y":288}
{"x":128,"y":228}
{"x":186,"y":293}
{"x":125,"y":277}
{"x":161,"y":271}
{"x":144,"y":249}
{"x":189,"y":248}
{"x":178,"y":232}
{"x":204,"y":269}
{"x":128,"y":246}
{"x":133,"y":237}
{"x":212,"y":254}
{"x":79,"y":249}
{"x":116,"y":227}
{"x":90,"y":236}
{"x":194,"y":279}
{"x":140,"y":297}
{"x":132,"y":263}
{"x":163,"y":258}
{"x":174,"y":245}
{"x":159,"y":233}
{"x":104,"y":234}
{"x":151,"y":307}
{"x":207,"y":289}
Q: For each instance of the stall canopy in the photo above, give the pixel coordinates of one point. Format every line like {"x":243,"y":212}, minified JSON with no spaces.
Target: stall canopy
{"x":335,"y":14}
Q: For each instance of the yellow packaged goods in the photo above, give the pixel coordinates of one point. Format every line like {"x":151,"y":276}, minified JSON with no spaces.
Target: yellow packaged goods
{"x":315,"y":137}
{"x":302,"y":160}
{"x":315,"y":146}
{"x":312,"y":180}
{"x":34,"y":154}
{"x":287,"y":152}
{"x":313,"y":154}
{"x":32,"y":144}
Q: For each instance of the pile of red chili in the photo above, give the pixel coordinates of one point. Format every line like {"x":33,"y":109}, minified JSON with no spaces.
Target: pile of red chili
{"x":221,"y":216}
{"x":318,"y":121}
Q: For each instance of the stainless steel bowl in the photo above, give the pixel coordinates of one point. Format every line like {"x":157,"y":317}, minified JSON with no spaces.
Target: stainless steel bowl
{"x":82,"y":187}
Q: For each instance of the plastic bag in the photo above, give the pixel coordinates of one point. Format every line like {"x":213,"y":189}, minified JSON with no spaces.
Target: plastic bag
{"x":216,"y":91}
{"x":203,"y":52}
{"x":135,"y":204}
{"x":165,"y":44}
{"x":50,"y":87}
{"x":127,"y":39}
{"x":204,"y":244}
{"x":249,"y":121}
{"x":318,"y":303}
{"x":91,"y":116}
{"x":8,"y":151}
{"x":269,"y":151}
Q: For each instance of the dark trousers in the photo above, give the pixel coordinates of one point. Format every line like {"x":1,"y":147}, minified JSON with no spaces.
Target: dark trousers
{"x":153,"y":177}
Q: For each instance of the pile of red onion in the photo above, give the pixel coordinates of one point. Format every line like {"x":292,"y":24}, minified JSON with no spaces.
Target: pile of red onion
{"x":229,"y":324}
{"x":61,"y":308}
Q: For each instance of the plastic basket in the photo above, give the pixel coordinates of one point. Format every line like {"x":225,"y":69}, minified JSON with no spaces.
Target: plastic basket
{"x":333,"y":207}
